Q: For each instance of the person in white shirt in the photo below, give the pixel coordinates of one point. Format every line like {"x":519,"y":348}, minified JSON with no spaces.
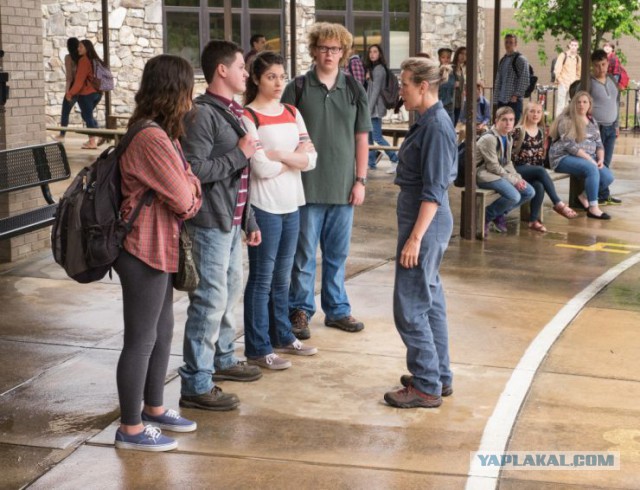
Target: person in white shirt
{"x":284,"y":149}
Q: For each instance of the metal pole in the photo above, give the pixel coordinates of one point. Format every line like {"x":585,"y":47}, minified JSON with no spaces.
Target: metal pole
{"x":496,"y":44}
{"x":587,"y":24}
{"x":468,"y":222}
{"x":105,"y":55}
{"x":294,"y":32}
{"x":414,"y":27}
{"x":228,"y":34}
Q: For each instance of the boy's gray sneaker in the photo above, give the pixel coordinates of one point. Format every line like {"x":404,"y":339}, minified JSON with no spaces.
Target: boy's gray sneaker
{"x":270,"y":361}
{"x":215,"y":400}
{"x":297,"y":348}
{"x":241,"y":371}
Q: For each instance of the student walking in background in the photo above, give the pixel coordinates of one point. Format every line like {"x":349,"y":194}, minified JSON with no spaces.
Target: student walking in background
{"x":428,"y":157}
{"x":567,"y":70}
{"x":283,"y":151}
{"x":83,"y":90}
{"x":459,"y":67}
{"x":153,"y":161}
{"x":70,"y":66}
{"x":512,"y":77}
{"x":377,"y":73}
{"x":447,"y":88}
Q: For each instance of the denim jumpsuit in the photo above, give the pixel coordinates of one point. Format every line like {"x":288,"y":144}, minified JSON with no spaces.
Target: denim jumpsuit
{"x":428,"y":162}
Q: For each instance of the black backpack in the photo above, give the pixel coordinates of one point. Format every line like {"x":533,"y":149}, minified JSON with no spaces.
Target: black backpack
{"x":391,"y":90}
{"x":460,"y":180}
{"x":88,"y":232}
{"x":533,"y":80}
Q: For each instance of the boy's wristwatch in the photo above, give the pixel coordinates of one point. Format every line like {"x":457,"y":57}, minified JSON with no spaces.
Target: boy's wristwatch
{"x":362,"y":180}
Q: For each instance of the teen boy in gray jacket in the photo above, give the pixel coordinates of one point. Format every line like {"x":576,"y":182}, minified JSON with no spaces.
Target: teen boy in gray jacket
{"x":218,"y":150}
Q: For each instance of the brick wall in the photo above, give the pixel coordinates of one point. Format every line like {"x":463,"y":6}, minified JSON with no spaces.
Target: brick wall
{"x":23,"y":122}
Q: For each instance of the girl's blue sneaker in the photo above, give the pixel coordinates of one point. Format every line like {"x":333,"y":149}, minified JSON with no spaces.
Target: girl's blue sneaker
{"x":150,"y":439}
{"x":170,"y":420}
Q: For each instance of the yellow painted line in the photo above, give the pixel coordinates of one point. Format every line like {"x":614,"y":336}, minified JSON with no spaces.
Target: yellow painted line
{"x":613,"y":248}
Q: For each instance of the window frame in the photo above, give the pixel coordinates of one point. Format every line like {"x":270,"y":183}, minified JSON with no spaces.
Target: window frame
{"x":204,"y":11}
{"x":349,"y":16}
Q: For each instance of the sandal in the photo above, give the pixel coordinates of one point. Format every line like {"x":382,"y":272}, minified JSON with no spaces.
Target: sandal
{"x":89,"y":146}
{"x":537,"y":226}
{"x":563,"y":210}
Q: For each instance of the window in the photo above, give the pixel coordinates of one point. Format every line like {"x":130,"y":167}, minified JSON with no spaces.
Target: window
{"x":384,"y":22}
{"x":190,"y":24}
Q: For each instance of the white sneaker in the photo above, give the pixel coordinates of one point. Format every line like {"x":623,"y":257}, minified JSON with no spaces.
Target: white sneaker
{"x":270,"y":361}
{"x":392,"y":169}
{"x":297,"y":348}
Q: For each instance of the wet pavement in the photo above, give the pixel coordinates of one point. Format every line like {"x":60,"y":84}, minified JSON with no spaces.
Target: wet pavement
{"x":323,"y":423}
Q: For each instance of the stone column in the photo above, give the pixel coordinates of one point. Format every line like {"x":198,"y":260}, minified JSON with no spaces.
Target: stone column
{"x":136,"y":34}
{"x":305,"y":17}
{"x":444,"y":25}
{"x":23,"y":122}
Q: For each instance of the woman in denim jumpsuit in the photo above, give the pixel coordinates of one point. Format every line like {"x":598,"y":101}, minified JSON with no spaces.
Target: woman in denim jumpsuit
{"x":427,"y":162}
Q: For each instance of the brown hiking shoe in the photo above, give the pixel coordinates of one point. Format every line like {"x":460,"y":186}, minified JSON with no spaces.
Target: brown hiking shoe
{"x":300,"y":324}
{"x":348,"y":324}
{"x":214,"y":400}
{"x":407,"y":380}
{"x":238,"y":372}
{"x":410,"y":397}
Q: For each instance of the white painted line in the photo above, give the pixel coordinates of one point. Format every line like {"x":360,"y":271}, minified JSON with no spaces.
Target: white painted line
{"x":500,"y":424}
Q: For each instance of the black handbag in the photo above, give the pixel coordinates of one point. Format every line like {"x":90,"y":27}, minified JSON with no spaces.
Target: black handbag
{"x":187,"y":278}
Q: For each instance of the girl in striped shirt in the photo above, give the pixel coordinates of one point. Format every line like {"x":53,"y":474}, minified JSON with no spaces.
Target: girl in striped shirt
{"x":284,"y":150}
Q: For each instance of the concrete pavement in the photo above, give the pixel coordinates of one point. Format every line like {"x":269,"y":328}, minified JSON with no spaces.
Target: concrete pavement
{"x":323,"y":423}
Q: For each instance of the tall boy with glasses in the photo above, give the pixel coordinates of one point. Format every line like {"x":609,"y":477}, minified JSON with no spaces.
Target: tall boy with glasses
{"x":337,"y":117}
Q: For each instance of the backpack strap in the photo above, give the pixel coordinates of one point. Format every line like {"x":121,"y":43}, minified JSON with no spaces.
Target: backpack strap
{"x":299,"y":82}
{"x":226,"y":114}
{"x":352,"y":85}
{"x":513,"y":63}
{"x":254,"y":116}
{"x":290,"y":108}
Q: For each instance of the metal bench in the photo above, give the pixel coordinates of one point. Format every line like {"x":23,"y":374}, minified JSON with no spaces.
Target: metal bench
{"x":483,"y":200}
{"x":27,"y":167}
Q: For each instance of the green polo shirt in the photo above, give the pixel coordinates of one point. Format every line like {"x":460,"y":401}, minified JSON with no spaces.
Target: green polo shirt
{"x":332,"y":119}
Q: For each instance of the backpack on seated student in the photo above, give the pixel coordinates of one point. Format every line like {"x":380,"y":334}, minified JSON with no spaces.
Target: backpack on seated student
{"x":460,"y":177}
{"x":88,"y":232}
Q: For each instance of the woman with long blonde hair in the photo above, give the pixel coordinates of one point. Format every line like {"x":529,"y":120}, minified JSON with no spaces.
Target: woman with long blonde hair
{"x":577,"y":150}
{"x":528,"y":158}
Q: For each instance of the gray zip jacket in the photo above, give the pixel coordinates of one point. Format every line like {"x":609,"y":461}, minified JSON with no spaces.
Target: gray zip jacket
{"x":210,"y":145}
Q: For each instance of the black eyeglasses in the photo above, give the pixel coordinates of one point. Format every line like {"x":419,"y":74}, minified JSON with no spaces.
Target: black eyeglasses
{"x":329,"y":49}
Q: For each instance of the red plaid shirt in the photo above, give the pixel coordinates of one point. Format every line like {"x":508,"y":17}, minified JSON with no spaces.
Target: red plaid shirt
{"x":243,"y":192}
{"x":152,"y":162}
